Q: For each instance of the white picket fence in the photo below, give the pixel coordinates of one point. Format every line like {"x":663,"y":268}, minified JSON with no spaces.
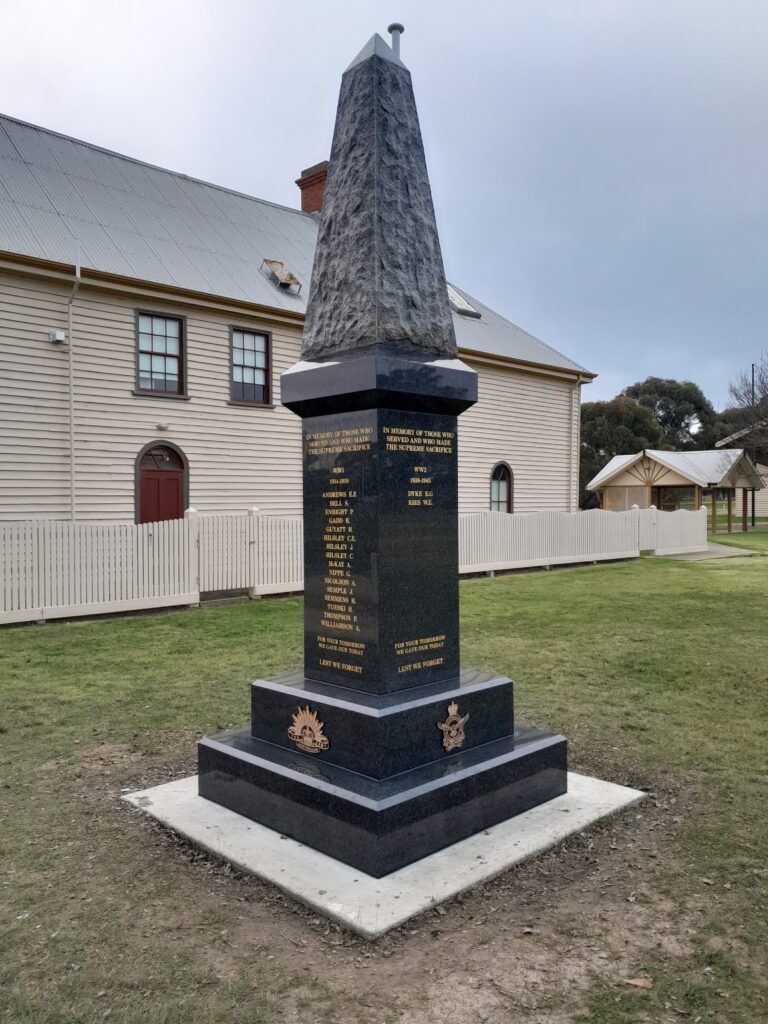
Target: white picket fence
{"x":491,"y":541}
{"x":261,"y":554}
{"x":674,"y":532}
{"x":52,"y":570}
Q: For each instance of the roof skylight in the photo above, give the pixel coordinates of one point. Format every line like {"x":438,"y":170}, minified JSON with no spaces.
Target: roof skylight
{"x":460,"y":305}
{"x":280,"y":276}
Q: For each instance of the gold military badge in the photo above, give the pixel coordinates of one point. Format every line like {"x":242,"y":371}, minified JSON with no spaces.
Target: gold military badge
{"x":453,"y":728}
{"x":306,"y":731}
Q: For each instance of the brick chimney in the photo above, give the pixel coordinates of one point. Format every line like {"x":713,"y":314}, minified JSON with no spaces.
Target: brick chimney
{"x":312,"y":185}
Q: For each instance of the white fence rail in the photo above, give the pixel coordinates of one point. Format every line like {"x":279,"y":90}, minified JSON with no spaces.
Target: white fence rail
{"x":675,"y":533}
{"x":54,"y":569}
{"x":646,"y":528}
{"x":279,"y":555}
{"x":491,"y":541}
{"x":258,"y":553}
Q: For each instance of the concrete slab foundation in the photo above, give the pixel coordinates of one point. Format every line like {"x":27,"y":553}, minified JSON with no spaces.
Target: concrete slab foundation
{"x":373,"y":906}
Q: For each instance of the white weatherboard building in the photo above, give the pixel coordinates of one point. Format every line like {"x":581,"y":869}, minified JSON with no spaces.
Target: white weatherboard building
{"x":145,"y":319}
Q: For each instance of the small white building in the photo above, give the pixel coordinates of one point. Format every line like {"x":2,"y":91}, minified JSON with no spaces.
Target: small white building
{"x":751,"y":436}
{"x":673,"y":480}
{"x":761,"y":497}
{"x":145,"y":319}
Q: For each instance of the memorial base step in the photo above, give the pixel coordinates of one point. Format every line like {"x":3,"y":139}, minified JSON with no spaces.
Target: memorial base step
{"x":383,"y":735}
{"x":380,"y":825}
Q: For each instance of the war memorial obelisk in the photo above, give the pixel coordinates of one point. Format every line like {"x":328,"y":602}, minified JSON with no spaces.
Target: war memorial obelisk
{"x":382,"y":750}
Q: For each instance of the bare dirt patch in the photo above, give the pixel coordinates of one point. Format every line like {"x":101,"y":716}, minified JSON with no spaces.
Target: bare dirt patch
{"x":524,"y":946}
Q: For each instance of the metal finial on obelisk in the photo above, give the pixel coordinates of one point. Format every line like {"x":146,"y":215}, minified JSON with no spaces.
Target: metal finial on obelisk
{"x":396,"y":30}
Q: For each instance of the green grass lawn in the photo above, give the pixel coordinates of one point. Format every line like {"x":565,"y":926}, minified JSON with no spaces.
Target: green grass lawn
{"x":722,"y":520}
{"x":757,"y":540}
{"x":656,"y":672}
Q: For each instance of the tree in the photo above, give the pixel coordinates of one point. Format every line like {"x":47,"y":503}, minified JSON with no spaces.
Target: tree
{"x":740,"y":390}
{"x":685,"y":415}
{"x":619,"y":427}
{"x":749,"y":409}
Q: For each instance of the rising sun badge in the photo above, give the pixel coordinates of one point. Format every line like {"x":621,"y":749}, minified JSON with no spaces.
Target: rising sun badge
{"x":306,"y":731}
{"x":453,"y":728}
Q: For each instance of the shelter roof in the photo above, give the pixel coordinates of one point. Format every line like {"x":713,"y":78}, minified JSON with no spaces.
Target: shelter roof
{"x":727,"y":467}
{"x":744,"y":432}
{"x":617,"y":464}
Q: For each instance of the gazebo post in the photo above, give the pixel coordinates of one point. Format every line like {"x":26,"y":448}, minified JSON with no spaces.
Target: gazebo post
{"x":744,"y":493}
{"x":714,"y":510}
{"x":697,"y":497}
{"x":730,"y":509}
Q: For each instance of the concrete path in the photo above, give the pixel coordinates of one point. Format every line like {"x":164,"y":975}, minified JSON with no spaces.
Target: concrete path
{"x":713,"y":551}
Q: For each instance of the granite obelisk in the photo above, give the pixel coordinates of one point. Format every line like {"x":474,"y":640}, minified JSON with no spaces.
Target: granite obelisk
{"x":381,"y":750}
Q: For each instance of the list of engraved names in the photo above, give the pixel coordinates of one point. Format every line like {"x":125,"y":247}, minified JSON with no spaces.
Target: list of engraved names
{"x":339,"y":505}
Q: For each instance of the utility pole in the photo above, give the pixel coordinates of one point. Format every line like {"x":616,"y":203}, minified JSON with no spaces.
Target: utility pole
{"x":754,"y":443}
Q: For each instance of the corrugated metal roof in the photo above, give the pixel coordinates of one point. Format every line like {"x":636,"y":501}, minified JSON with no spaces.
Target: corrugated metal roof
{"x":753,"y":428}
{"x":136,"y":220}
{"x":613,"y":468}
{"x":493,"y":334}
{"x":705,"y":468}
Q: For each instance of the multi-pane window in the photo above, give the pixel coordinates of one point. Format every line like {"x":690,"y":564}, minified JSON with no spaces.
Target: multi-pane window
{"x":161,"y":354}
{"x":501,"y":489}
{"x":250,"y":367}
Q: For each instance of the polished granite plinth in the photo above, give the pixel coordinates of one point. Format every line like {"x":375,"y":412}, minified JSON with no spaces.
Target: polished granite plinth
{"x":380,"y":825}
{"x":379,"y":735}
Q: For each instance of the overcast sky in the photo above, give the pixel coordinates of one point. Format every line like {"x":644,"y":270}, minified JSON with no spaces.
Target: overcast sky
{"x":599,"y":167}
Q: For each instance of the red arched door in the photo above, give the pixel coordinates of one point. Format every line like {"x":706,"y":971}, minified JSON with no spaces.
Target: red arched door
{"x":161,"y":485}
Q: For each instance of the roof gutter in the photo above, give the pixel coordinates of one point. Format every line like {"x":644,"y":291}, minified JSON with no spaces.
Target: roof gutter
{"x":48,"y":269}
{"x":578,"y":376}
{"x":121,"y":284}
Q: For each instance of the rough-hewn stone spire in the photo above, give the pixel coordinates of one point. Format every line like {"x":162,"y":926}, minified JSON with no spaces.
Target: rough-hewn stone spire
{"x":378,"y":274}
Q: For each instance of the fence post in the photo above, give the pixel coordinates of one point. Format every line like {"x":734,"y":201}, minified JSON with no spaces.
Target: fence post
{"x":655,"y":524}
{"x":193,"y":550}
{"x":638,"y":526}
{"x":43,"y":569}
{"x":254,"y":540}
